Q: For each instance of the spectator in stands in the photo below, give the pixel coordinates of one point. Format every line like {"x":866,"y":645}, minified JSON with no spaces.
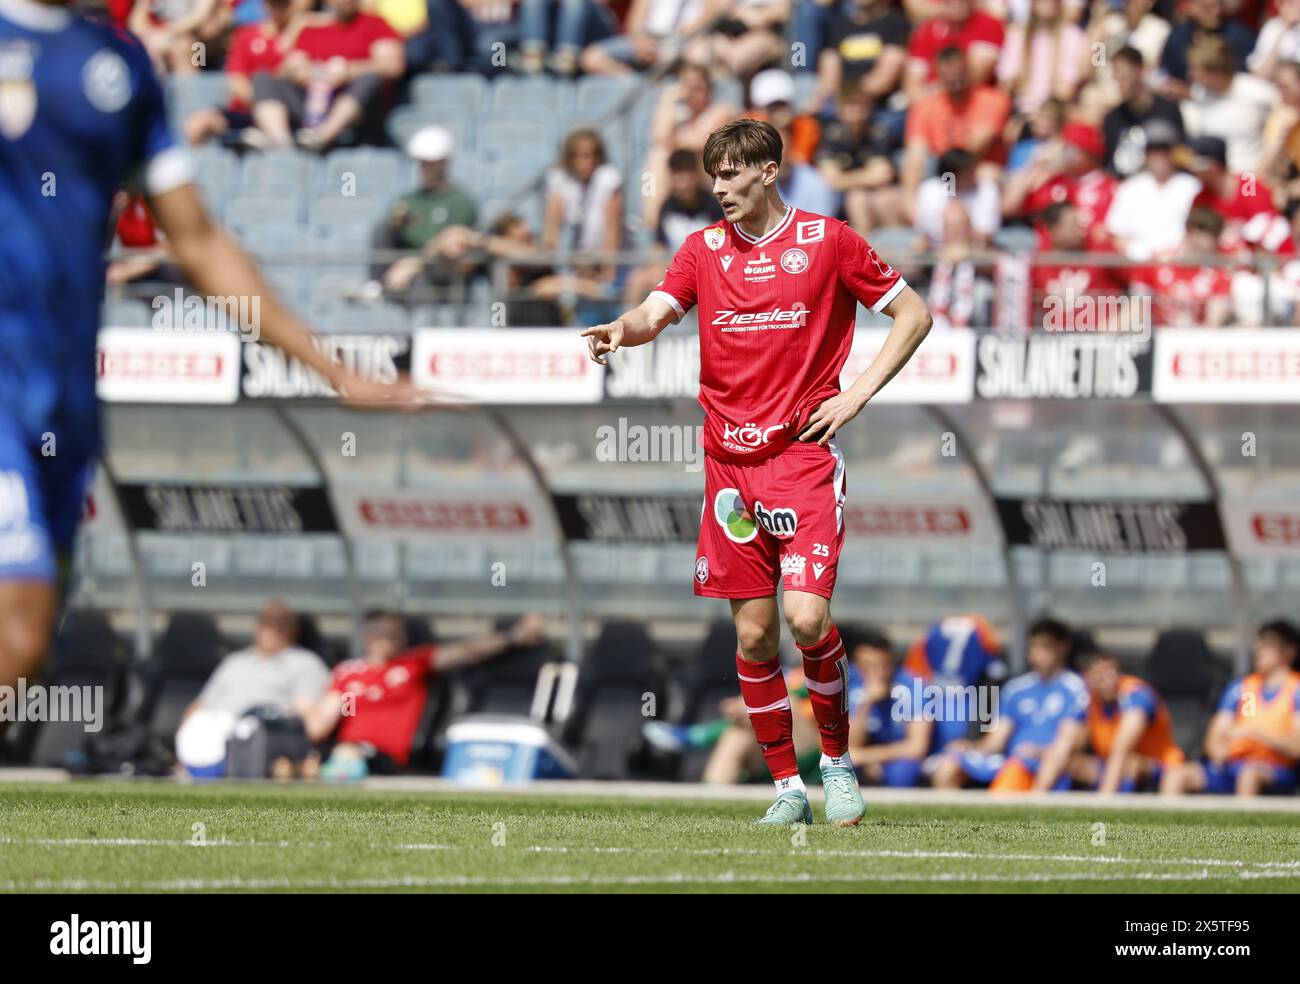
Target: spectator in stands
{"x":1041,"y":58}
{"x":1042,"y":126}
{"x":1227,"y":103}
{"x":1278,"y":42}
{"x":1253,"y":742}
{"x":1204,"y":18}
{"x":866,"y":49}
{"x":688,"y":207}
{"x":177,"y":33}
{"x":530,"y":297}
{"x":449,"y":41}
{"x":376,"y":702}
{"x":273,"y":680}
{"x":958,"y":25}
{"x":771,"y":98}
{"x":1148,"y":214}
{"x":1130,"y":733}
{"x":1067,"y":170}
{"x":802,"y":185}
{"x":1242,"y":200}
{"x":855,"y":156}
{"x":652,"y":36}
{"x":1134,"y":27}
{"x":960,"y":116}
{"x":335,"y":78}
{"x":437,"y":218}
{"x":1040,"y":727}
{"x":561,"y":28}
{"x":1280,"y":158}
{"x":1074,"y":296}
{"x":746,"y":36}
{"x":889,"y":736}
{"x":683,"y":119}
{"x":1185,"y":291}
{"x":136,"y":230}
{"x":584,"y":209}
{"x":254,"y":49}
{"x":958,"y":294}
{"x":1124,"y":125}
{"x":958,"y":178}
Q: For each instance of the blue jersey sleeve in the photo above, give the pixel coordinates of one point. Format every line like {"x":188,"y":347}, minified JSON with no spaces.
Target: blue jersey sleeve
{"x":1143,"y":699}
{"x":1231,"y":697}
{"x":1077,"y":698}
{"x":163,"y":163}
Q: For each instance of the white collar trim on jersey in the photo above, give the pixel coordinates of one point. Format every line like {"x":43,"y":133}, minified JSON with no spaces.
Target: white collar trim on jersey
{"x":780,"y":227}
{"x":35,"y":16}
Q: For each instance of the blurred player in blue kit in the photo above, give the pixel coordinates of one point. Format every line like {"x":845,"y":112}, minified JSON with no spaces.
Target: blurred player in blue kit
{"x":81,"y":113}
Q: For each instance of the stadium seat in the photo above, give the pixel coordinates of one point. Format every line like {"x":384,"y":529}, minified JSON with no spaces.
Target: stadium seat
{"x":506,"y":685}
{"x":276,"y":172}
{"x":598,"y":96}
{"x":606,"y":722}
{"x":247,"y":214}
{"x":126,"y":314}
{"x":405,"y":120}
{"x":188,"y":651}
{"x":1187,"y":675}
{"x":537,"y":94}
{"x":466,"y":92}
{"x":87,"y":653}
{"x":705,"y":682}
{"x":335,"y":210}
{"x":371,"y":172}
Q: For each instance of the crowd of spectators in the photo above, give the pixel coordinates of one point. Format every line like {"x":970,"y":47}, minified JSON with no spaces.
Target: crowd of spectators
{"x":943,"y":714}
{"x":1160,"y":137}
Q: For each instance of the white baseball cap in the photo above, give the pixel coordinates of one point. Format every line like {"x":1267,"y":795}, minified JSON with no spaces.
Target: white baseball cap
{"x":430,"y":143}
{"x":772,"y":85}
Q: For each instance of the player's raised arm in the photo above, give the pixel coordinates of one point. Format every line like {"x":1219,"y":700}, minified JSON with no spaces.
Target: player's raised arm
{"x":636,"y":327}
{"x":912,"y":323}
{"x":216,"y":265}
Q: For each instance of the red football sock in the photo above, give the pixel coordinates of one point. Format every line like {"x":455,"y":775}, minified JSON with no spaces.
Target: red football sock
{"x":826,"y":672}
{"x":762,"y":688}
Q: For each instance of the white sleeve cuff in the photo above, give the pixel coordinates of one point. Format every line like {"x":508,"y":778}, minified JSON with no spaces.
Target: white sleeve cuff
{"x":168,"y":170}
{"x":671,"y":301}
{"x":889,"y":295}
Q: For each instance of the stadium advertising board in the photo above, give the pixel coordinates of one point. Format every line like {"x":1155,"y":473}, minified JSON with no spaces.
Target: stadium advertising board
{"x":941,"y":370}
{"x":268,"y":373}
{"x":140,"y":365}
{"x":923,"y":519}
{"x":1118,"y":526}
{"x":1064,"y":366}
{"x":168,"y":507}
{"x":1263,"y":529}
{"x":463,"y":513}
{"x":617,"y":518}
{"x":1239,"y":366}
{"x":506,"y":365}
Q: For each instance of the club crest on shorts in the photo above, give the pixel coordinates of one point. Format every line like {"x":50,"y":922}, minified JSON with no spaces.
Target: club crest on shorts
{"x":702,"y":569}
{"x":714,"y":238}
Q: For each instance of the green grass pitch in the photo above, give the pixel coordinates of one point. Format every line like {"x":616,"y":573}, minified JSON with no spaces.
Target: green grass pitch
{"x":122,"y":837}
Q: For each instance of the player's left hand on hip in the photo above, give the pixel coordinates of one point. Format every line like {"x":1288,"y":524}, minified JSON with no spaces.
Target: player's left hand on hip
{"x":828,"y":418}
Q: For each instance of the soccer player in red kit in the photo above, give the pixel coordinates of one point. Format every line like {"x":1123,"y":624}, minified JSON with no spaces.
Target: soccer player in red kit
{"x":777,"y":290}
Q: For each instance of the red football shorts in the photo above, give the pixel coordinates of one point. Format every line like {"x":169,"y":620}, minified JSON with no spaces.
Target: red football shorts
{"x":781,"y":518}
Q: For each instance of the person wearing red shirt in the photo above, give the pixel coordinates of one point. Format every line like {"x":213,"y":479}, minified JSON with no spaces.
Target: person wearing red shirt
{"x":376,"y":702}
{"x":1075,"y":296}
{"x":335,"y":77}
{"x":1243,"y":201}
{"x":1069,"y":170}
{"x":254,"y":49}
{"x":959,"y":25}
{"x":777,"y":290}
{"x":961,"y":116}
{"x":1184,"y":291}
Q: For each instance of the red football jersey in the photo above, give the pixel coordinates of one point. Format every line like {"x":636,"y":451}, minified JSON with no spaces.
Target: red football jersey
{"x":1090,"y":194}
{"x":934,"y":35}
{"x":776,"y":323}
{"x":1067,"y":296}
{"x":1180,"y":294}
{"x":345,"y":39}
{"x":1250,"y":221}
{"x":389,"y":700}
{"x":252,"y":51}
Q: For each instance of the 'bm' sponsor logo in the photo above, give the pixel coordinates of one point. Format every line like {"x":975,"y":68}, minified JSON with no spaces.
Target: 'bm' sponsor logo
{"x":779,"y":522}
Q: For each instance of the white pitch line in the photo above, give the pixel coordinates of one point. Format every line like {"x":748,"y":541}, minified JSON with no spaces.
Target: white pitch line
{"x":1095,"y":859}
{"x":695,"y":851}
{"x":675,"y":878}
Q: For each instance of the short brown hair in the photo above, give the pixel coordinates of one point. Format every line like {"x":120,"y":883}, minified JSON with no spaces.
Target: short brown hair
{"x":742,"y":142}
{"x":1212,"y":53}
